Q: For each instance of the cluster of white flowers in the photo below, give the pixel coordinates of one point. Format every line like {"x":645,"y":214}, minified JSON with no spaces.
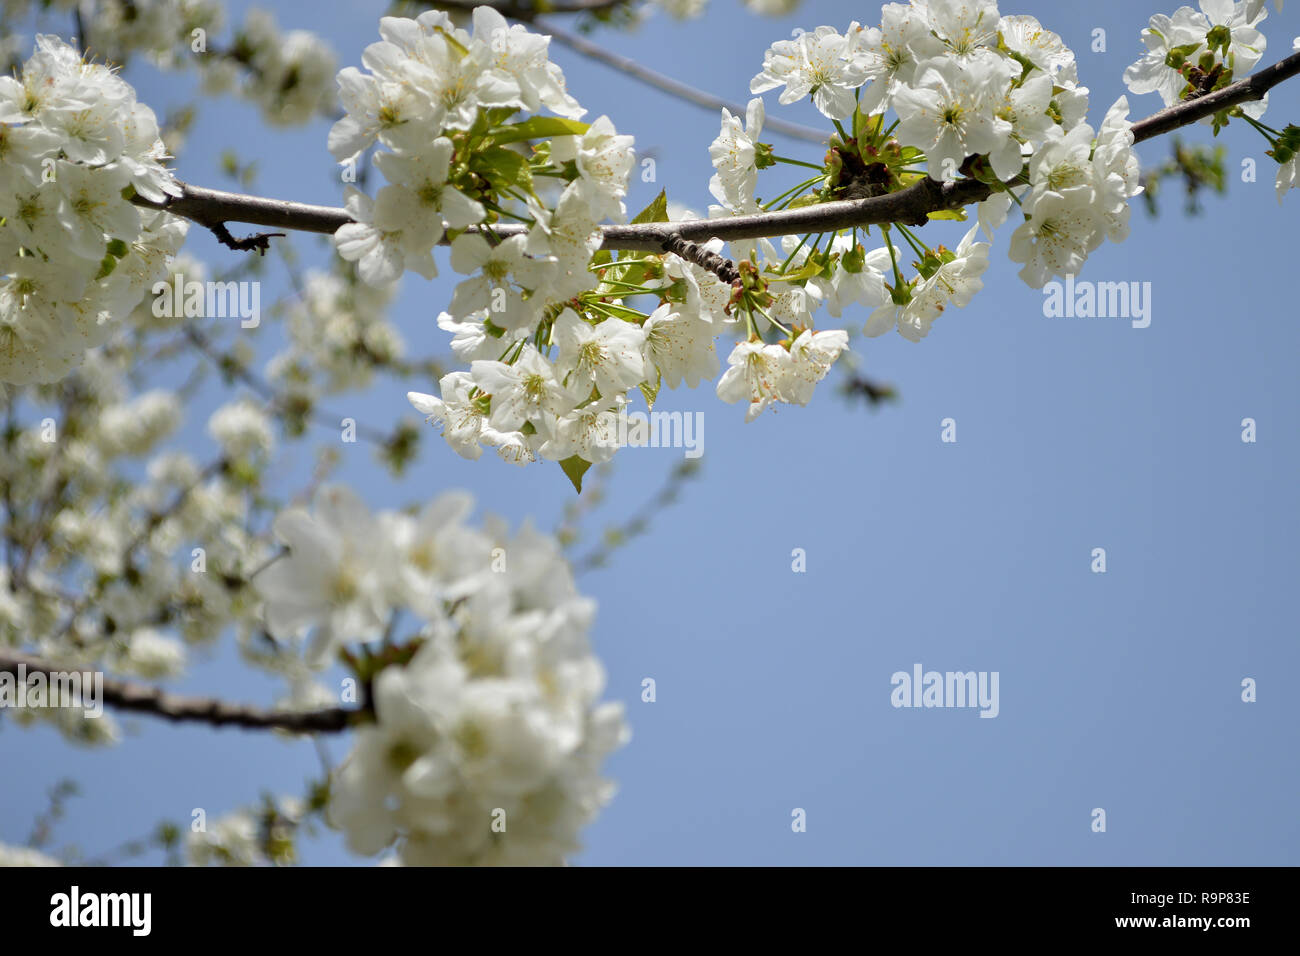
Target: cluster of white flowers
{"x":25,"y":856}
{"x":1195,"y":52}
{"x":243,"y":430}
{"x":288,"y":75}
{"x":553,"y":350}
{"x":1189,"y":45}
{"x":338,"y":331}
{"x":161,"y":29}
{"x":965,"y":82}
{"x":230,"y":840}
{"x":1078,"y":195}
{"x":248,"y":836}
{"x":74,"y":254}
{"x":438,"y":97}
{"x":118,"y":540}
{"x":488,"y":734}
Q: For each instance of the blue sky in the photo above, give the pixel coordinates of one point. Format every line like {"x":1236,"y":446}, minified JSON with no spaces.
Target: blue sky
{"x":1119,"y":690}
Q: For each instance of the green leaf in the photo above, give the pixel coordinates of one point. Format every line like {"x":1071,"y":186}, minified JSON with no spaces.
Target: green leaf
{"x":813,"y":267}
{"x":657,"y":211}
{"x":651,"y":392}
{"x":958,"y":214}
{"x":575,"y":468}
{"x":497,"y":164}
{"x":539,"y":127}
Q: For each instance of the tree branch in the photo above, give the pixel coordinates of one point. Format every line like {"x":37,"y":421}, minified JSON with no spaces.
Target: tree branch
{"x":663,"y":83}
{"x":1252,"y":87}
{"x":156,"y":702}
{"x":910,"y":205}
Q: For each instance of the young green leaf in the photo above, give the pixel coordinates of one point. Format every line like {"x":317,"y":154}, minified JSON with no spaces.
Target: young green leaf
{"x":575,"y":467}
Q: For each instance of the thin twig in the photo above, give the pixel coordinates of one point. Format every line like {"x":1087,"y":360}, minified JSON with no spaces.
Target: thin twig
{"x":666,"y":84}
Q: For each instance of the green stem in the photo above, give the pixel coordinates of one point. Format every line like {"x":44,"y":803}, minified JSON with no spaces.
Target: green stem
{"x":893,"y":259}
{"x":920,"y":248}
{"x":1263,"y":130}
{"x":792,"y":191}
{"x":620,"y":262}
{"x":793,"y":252}
{"x":797,"y":162}
{"x":505,"y":212}
{"x":638,"y":289}
{"x":773,"y":321}
{"x":1260,"y":126}
{"x":617,"y":311}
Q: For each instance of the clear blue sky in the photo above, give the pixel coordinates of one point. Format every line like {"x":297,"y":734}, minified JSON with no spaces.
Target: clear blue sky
{"x":1118,"y":690}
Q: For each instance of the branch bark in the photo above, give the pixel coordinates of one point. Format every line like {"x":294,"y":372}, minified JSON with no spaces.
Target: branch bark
{"x":209,"y":207}
{"x":143,"y":699}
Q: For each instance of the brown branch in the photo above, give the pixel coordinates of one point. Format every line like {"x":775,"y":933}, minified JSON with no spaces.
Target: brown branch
{"x":910,"y":205}
{"x":155,"y":702}
{"x":720,"y":266}
{"x":1252,"y":87}
{"x":210,"y":207}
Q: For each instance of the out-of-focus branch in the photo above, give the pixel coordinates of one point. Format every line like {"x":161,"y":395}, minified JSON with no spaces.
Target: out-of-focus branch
{"x":666,"y":84}
{"x":142,"y":699}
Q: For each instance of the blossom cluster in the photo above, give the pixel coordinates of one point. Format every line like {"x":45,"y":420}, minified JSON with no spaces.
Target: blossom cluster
{"x":287,"y":75}
{"x":1194,"y":52}
{"x":94,"y":581}
{"x":547,"y":323}
{"x":554,"y":350}
{"x":74,"y":252}
{"x":488,"y":733}
{"x":338,"y":331}
{"x":975,"y":93}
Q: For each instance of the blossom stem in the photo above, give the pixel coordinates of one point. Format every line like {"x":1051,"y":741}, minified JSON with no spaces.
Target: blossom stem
{"x":919,"y":247}
{"x":1263,"y":130}
{"x":797,"y":162}
{"x":893,"y":258}
{"x":793,"y":252}
{"x":791,"y":192}
{"x":771,"y":320}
